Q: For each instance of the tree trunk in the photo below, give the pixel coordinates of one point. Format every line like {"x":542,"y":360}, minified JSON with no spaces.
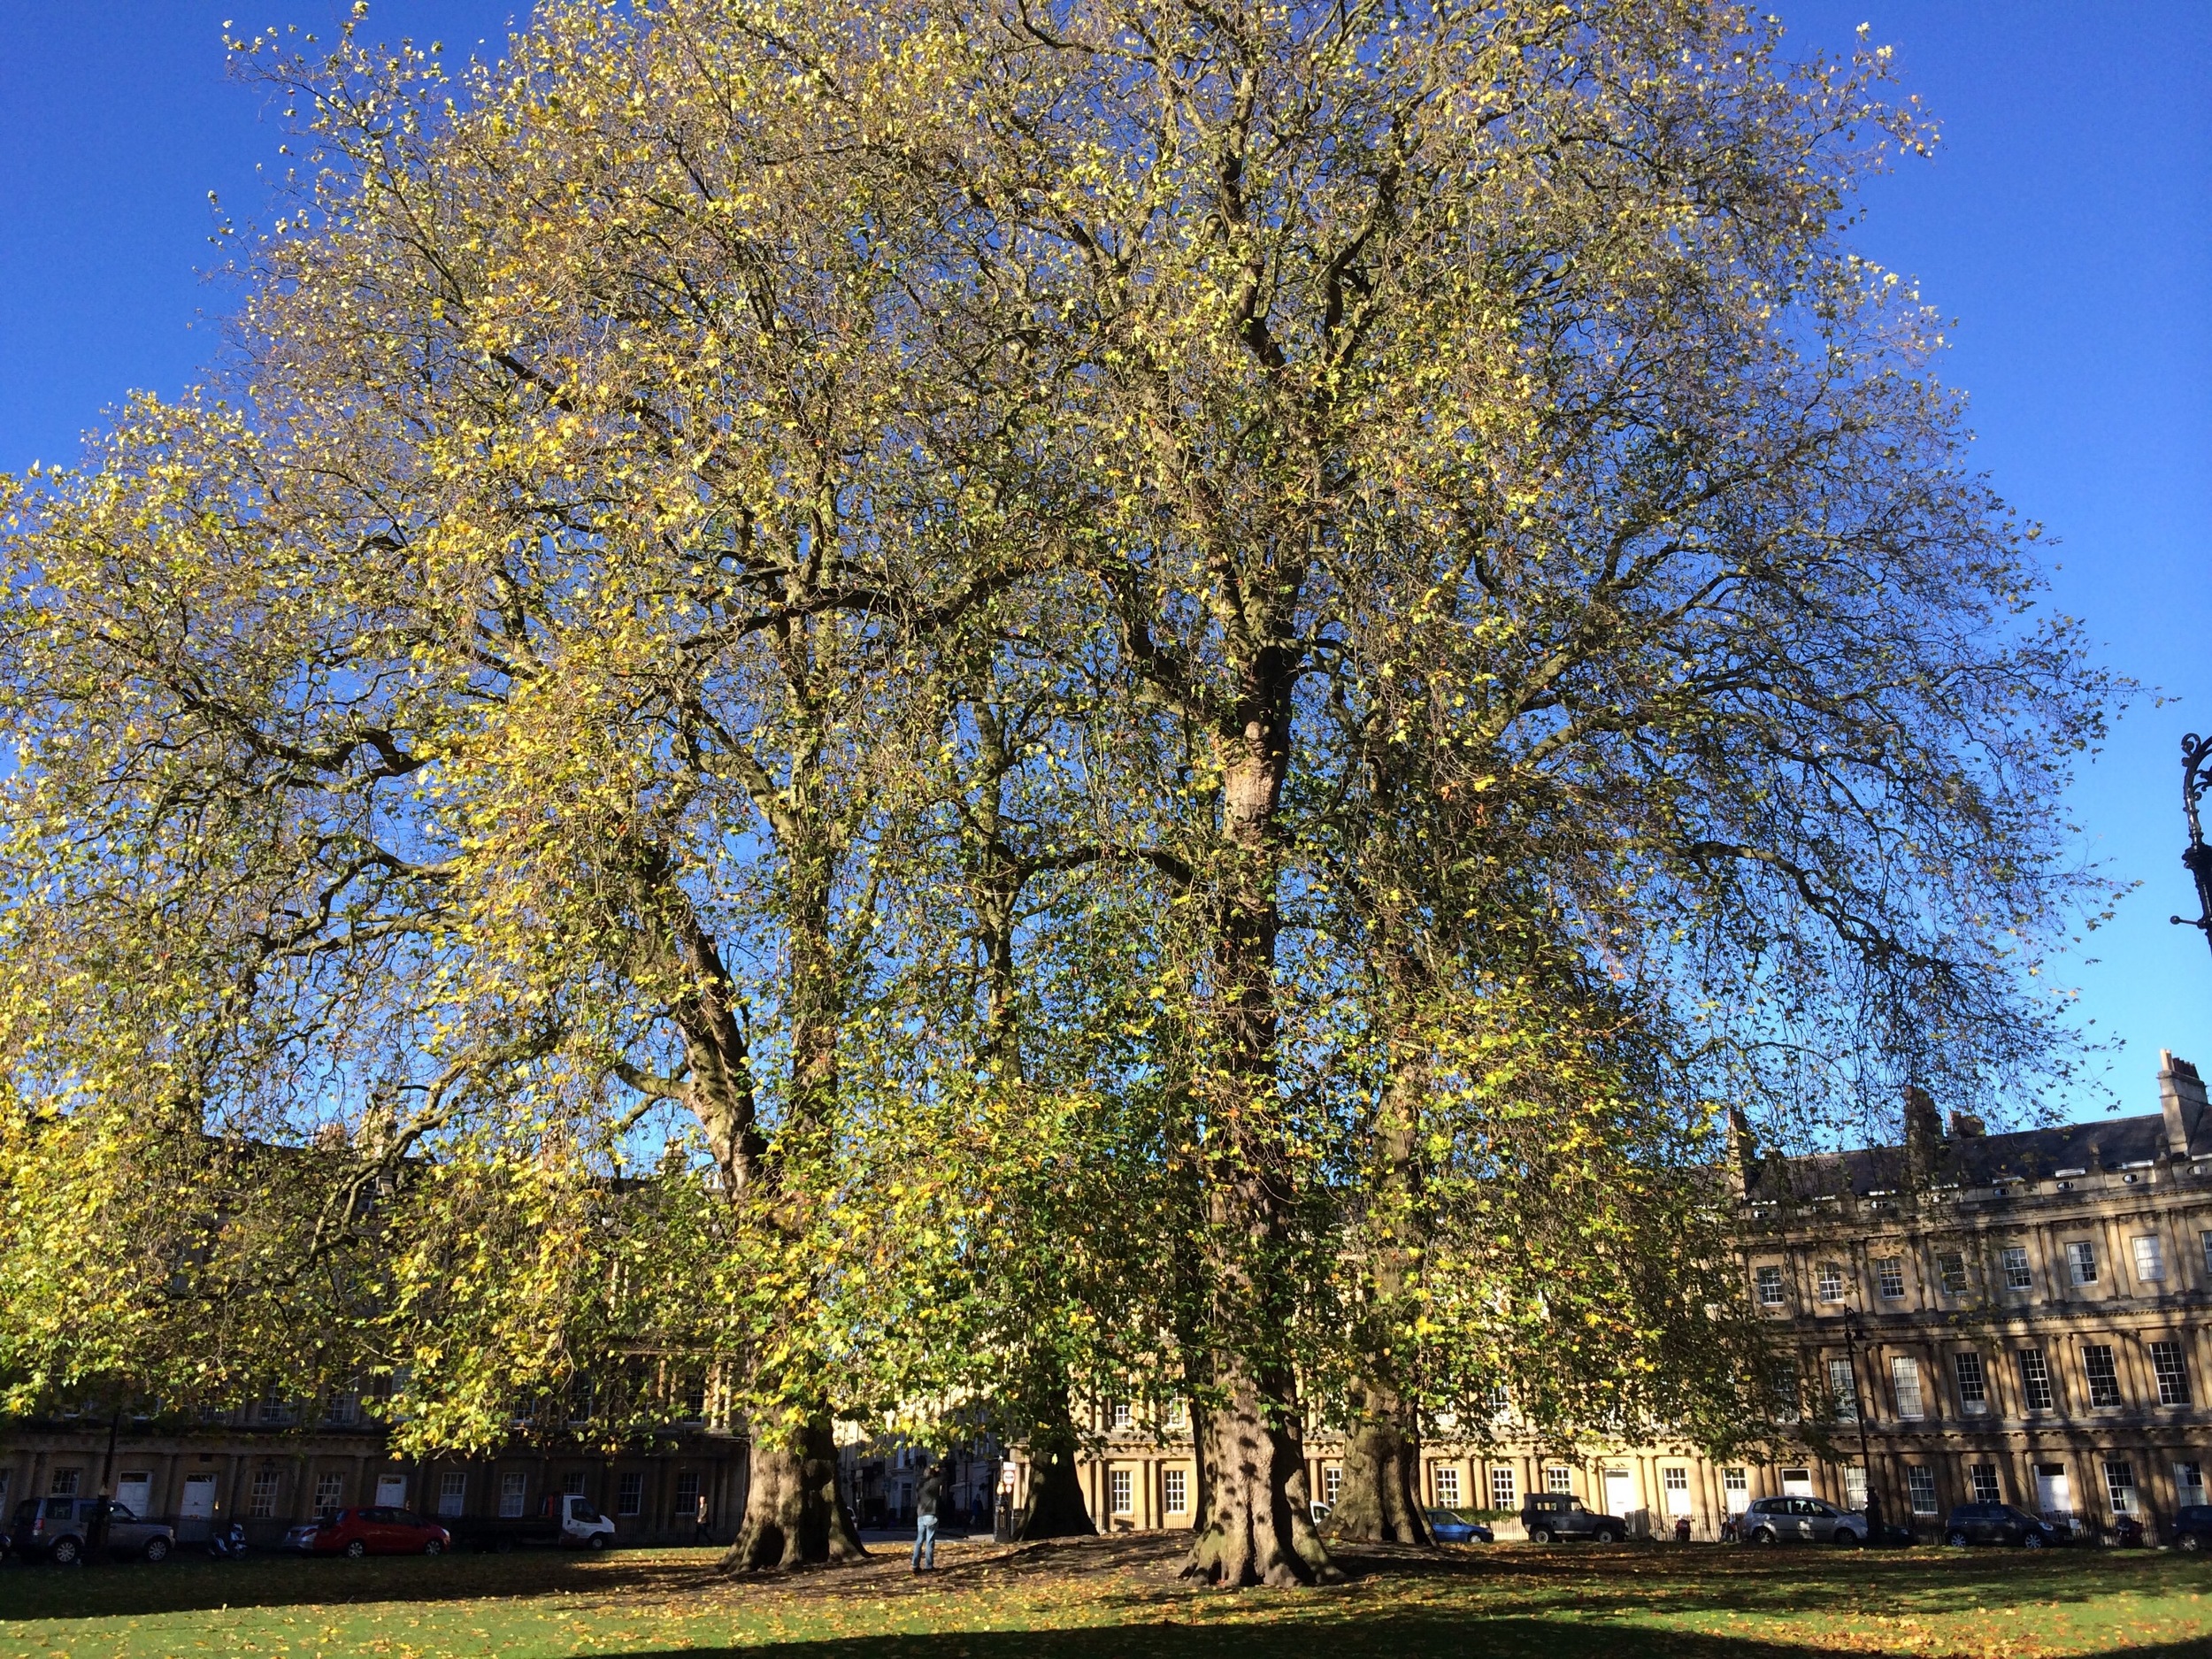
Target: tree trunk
{"x":1379,"y":1499}
{"x":794,"y":1513}
{"x":1055,"y":1508}
{"x":1256,"y":1526}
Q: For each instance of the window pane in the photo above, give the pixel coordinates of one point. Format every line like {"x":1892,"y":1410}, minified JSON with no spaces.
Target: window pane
{"x":1889,"y":1276}
{"x":1501,"y":1487}
{"x":1843,"y":1387}
{"x":629,"y":1495}
{"x":2170,"y":1366}
{"x":2014,"y":1259}
{"x":1973,"y":1384}
{"x":1331,"y":1482}
{"x":2119,"y":1480}
{"x":1770,"y":1287}
{"x":1904,"y":1375}
{"x":1920,"y":1485}
{"x":514,"y":1491}
{"x":2150,"y":1258}
{"x":2104,"y":1382}
{"x":1982,"y":1478}
{"x":2035,"y":1379}
{"x":1446,"y":1483}
{"x":1830,"y":1282}
{"x":1175,"y":1491}
{"x":1951,"y":1268}
{"x":1121,"y":1487}
{"x":2081,"y":1262}
{"x":1558,"y":1479}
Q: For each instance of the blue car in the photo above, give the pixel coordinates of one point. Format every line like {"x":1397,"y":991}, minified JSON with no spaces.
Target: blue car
{"x":1447,"y":1526}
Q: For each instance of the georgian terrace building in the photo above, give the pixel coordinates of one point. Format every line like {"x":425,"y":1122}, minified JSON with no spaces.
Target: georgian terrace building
{"x":275,"y":1463}
{"x":2020,"y":1317}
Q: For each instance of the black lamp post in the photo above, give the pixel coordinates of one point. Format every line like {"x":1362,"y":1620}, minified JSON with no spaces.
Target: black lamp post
{"x":2197,"y":857}
{"x":1853,"y":1332}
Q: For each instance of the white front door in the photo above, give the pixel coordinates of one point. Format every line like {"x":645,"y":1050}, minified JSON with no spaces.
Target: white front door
{"x":2054,"y":1493}
{"x":1797,"y":1482}
{"x":196,"y":1509}
{"x":391,"y":1492}
{"x":134,"y":1491}
{"x":1620,"y":1492}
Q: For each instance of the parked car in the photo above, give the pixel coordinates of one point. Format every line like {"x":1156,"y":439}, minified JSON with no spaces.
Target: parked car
{"x":2001,"y":1524}
{"x":565,"y":1518}
{"x":2192,"y":1526}
{"x":379,"y":1531}
{"x":60,"y":1530}
{"x":1802,"y":1521}
{"x":1548,"y":1516}
{"x":1449,"y":1526}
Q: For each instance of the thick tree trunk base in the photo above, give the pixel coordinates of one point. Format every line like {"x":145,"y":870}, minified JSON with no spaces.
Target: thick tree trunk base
{"x":1379,"y":1499}
{"x":1057,"y":1509}
{"x":1257,"y":1525}
{"x":793,"y":1517}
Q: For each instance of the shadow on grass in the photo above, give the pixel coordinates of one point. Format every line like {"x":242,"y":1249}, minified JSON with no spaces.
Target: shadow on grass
{"x":1504,"y":1601}
{"x":182,"y":1584}
{"x":1393,"y":1636}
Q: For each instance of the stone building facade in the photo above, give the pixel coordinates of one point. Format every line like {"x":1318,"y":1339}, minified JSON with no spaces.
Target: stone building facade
{"x":264,"y":1467}
{"x":2025,"y":1317}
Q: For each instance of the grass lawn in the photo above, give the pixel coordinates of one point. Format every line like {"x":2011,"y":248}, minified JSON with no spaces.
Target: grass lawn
{"x":1121,"y":1596}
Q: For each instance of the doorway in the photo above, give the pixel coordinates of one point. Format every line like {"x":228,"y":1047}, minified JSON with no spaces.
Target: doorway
{"x":195,"y":1510}
{"x":2054,"y":1493}
{"x":1620,"y":1492}
{"x":391,"y":1492}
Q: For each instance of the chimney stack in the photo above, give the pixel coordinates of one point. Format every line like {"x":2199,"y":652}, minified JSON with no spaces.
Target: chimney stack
{"x":2181,"y":1097}
{"x":1967,"y":1125}
{"x":1923,"y":1134}
{"x":1743,"y":1152}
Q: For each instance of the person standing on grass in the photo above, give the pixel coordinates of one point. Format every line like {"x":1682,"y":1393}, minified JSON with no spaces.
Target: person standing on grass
{"x":927,"y":1500}
{"x":700,"y":1534}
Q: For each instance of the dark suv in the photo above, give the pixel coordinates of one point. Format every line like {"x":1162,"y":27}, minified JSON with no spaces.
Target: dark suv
{"x":2192,"y":1526}
{"x":1550,"y":1515}
{"x":1999,"y":1524}
{"x":60,"y":1530}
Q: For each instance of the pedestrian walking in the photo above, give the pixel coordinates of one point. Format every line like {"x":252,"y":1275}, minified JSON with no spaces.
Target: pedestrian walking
{"x":699,"y":1533}
{"x":927,"y":1500}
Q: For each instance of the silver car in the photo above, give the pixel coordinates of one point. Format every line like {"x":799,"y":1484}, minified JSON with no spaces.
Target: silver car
{"x":1802,"y":1521}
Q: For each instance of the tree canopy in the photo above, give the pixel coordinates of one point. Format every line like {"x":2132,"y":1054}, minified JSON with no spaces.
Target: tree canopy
{"x":959,"y":703}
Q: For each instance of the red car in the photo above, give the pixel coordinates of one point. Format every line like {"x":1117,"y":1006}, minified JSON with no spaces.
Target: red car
{"x":378,"y":1532}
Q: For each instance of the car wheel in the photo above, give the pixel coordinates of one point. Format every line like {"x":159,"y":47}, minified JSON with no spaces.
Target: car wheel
{"x":156,"y":1549}
{"x":1846,"y":1539}
{"x":1765,"y":1535}
{"x":1541,"y":1535}
{"x":1606,"y":1535}
{"x":355,"y":1548}
{"x":2189,"y":1540}
{"x":598,"y":1540}
{"x":1957,"y":1540}
{"x":65,"y":1552}
{"x":433,"y":1546}
{"x":2033,"y":1541}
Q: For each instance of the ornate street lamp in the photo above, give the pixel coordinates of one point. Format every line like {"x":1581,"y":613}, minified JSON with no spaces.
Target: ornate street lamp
{"x":1854,"y":1331}
{"x":2196,"y":857}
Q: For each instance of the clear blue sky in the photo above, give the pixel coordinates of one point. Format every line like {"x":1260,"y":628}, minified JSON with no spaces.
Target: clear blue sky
{"x":2066,"y":222}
